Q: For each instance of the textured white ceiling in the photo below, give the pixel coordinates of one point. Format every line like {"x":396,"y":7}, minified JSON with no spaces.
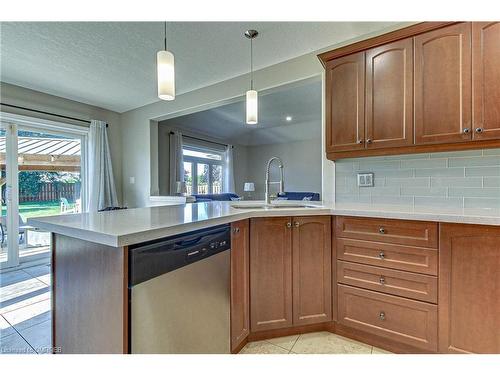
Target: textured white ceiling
{"x":227,"y":123}
{"x":112,"y":64}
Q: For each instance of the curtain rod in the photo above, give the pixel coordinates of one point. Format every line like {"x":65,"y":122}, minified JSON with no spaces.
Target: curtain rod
{"x":204,"y":140}
{"x":47,"y":113}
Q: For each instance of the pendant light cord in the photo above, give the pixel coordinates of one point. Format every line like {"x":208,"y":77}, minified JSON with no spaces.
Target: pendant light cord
{"x":251,"y":64}
{"x":165,"y":36}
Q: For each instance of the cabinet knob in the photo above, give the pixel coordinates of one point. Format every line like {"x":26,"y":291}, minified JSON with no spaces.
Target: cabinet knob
{"x":466,"y":130}
{"x":381,"y":255}
{"x":479,"y":130}
{"x":381,"y":316}
{"x":369,"y":141}
{"x":288,"y":225}
{"x":297,"y":224}
{"x":359,"y":141}
{"x":382,"y":280}
{"x":381,"y":230}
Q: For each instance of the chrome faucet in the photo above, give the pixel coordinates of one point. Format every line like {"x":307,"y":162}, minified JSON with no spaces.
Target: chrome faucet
{"x":280,"y":182}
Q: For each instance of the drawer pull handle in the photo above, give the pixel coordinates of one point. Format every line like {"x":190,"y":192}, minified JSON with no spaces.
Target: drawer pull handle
{"x":381,"y":316}
{"x":381,"y":255}
{"x":297,"y":224}
{"x":382,"y":280}
{"x":288,"y":225}
{"x":381,"y":230}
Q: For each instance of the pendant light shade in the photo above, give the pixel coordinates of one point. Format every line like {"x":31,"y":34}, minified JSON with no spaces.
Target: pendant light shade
{"x":252,"y":97}
{"x":166,"y":75}
{"x":252,"y":107}
{"x":165,"y":66}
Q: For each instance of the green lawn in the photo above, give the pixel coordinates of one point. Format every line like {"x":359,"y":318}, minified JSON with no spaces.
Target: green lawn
{"x":32,"y":209}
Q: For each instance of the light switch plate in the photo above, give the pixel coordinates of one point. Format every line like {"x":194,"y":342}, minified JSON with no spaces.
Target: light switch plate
{"x":366,"y":179}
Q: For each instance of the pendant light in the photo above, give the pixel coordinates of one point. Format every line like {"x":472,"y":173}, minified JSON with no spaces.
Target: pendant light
{"x":252,"y":95}
{"x":166,"y":72}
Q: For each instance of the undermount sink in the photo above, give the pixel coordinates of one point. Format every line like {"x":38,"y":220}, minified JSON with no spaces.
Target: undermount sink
{"x":270,"y":206}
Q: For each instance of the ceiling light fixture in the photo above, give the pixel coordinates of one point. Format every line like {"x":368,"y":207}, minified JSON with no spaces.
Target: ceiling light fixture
{"x":166,"y":71}
{"x":252,"y":95}
{"x":288,"y":118}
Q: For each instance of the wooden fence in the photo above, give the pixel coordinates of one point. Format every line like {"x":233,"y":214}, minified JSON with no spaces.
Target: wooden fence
{"x":52,"y":192}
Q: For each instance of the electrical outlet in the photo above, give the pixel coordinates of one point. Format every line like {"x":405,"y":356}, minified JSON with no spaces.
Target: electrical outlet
{"x":366,"y":179}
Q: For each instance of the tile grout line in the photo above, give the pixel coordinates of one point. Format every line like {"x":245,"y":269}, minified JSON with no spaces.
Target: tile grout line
{"x":297,"y":339}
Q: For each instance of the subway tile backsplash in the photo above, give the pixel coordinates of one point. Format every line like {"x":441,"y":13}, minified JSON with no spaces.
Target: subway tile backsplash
{"x":447,"y":180}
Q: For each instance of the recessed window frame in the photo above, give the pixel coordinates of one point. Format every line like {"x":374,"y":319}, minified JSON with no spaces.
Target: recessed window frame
{"x":212,"y":163}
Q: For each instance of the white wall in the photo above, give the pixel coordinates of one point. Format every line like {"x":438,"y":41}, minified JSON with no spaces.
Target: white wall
{"x":22,"y":97}
{"x":302,"y":162}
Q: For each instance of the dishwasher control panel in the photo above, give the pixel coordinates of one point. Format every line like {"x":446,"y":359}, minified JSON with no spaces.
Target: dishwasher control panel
{"x":156,"y":258}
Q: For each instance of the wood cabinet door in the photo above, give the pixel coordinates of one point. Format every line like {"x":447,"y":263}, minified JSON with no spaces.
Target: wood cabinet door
{"x":469,"y":289}
{"x":312,"y":270}
{"x":270,"y":273}
{"x":485,"y":79}
{"x":344,"y":102}
{"x":389,"y":95}
{"x":240,"y":283}
{"x":443,"y":85}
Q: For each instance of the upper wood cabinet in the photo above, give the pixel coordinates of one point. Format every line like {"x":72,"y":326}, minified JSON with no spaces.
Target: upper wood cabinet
{"x":240,"y":288}
{"x":425,"y":88}
{"x":443,"y":85}
{"x":312,"y":269}
{"x":469,"y":289}
{"x":389,"y":95}
{"x":345,"y":107}
{"x":485,"y":80}
{"x":270,"y":273}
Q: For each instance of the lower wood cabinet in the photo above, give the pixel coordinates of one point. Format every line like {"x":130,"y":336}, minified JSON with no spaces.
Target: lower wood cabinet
{"x":469,"y":289}
{"x":399,"y":319}
{"x":312,"y":271}
{"x":395,"y":282}
{"x":270,"y":273}
{"x":290,"y":271}
{"x":240,"y":280}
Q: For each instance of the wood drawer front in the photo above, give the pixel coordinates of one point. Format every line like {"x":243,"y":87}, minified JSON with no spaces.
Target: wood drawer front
{"x":404,"y":320}
{"x":411,"y":233}
{"x":404,"y":258}
{"x":399,"y":283}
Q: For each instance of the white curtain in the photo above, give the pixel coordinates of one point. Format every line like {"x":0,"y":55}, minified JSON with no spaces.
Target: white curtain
{"x":176,"y":161}
{"x":101,"y":184}
{"x":228,"y":170}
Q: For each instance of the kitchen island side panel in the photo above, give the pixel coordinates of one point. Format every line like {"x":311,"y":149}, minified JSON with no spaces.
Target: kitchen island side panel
{"x":89,"y":297}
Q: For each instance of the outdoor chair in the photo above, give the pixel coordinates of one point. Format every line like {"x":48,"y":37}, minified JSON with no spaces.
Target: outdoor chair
{"x":67,"y":208}
{"x":22,"y":229}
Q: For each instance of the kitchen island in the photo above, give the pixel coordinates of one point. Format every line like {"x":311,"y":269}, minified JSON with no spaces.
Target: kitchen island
{"x":91,"y":271}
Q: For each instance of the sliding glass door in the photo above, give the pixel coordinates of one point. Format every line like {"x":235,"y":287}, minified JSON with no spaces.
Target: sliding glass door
{"x":42,"y":175}
{"x":9,"y":255}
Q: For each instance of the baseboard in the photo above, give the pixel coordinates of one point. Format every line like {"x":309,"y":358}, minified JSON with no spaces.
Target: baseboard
{"x":240,"y":346}
{"x":379,"y":342}
{"x":264,"y":335}
{"x":366,"y":338}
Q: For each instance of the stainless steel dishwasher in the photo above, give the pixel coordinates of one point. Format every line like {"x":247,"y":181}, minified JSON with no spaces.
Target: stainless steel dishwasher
{"x":179,"y":293}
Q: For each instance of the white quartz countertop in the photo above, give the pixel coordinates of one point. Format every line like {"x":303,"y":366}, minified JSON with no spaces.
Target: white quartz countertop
{"x":127,"y":227}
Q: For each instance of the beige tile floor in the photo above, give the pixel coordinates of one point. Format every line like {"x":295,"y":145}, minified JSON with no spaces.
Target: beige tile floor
{"x":311,"y":343}
{"x":25,"y":310}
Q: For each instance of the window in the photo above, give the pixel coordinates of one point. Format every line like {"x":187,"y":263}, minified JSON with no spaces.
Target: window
{"x":203,"y":170}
